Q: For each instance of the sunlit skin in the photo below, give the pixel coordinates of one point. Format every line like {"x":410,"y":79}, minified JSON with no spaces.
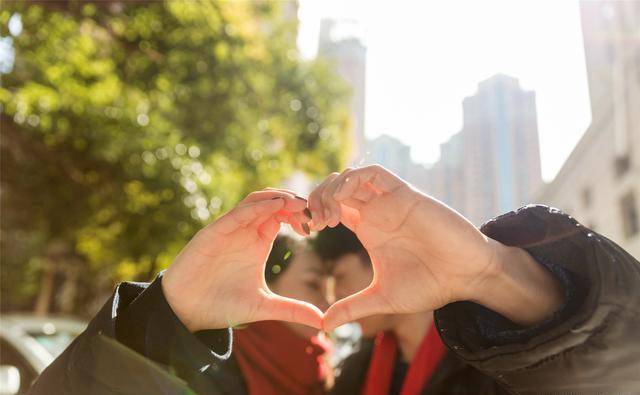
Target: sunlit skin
{"x":304,"y":279}
{"x":351,"y":275}
{"x":424,"y":254}
{"x":218,"y":281}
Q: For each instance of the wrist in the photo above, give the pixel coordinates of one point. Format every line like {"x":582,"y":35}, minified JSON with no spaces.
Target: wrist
{"x":518,"y":287}
{"x":179,"y":309}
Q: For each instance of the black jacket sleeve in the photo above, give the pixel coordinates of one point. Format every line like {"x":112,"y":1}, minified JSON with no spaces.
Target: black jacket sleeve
{"x":590,"y":346}
{"x":134,"y":345}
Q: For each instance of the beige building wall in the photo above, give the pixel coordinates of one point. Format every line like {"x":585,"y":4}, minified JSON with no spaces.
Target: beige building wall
{"x":590,"y":188}
{"x":600,"y":182}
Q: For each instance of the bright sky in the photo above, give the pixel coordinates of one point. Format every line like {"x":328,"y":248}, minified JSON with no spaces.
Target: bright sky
{"x":424,"y":57}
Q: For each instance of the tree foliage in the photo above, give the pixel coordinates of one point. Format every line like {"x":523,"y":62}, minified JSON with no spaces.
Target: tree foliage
{"x":127,"y":125}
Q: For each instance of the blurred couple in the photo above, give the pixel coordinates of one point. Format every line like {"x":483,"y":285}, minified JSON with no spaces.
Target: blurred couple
{"x":287,"y":358}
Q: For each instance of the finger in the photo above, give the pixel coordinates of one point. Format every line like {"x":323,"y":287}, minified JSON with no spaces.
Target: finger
{"x":265,"y":195}
{"x":298,"y":226}
{"x":315,"y":203}
{"x":353,"y":203}
{"x":350,"y":218}
{"x":362,"y":304}
{"x":282,"y":190}
{"x":269,"y":229}
{"x":365,"y":194}
{"x":280,"y":308}
{"x":375,"y":176}
{"x":245,"y":215}
{"x":293,"y":202}
{"x":282,"y":216}
{"x":297,"y":203}
{"x":301,"y":216}
{"x":332,"y":207}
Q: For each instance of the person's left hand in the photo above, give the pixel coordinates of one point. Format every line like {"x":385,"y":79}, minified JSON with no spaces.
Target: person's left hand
{"x":217,"y":280}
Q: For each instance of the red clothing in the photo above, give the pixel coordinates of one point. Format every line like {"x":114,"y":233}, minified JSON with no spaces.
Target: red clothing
{"x":385,"y":352}
{"x":274,"y":360}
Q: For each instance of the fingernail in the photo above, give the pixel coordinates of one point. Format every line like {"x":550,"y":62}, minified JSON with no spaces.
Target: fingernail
{"x":301,"y":198}
{"x":305,"y":227}
{"x":307,"y":213}
{"x":277,"y":197}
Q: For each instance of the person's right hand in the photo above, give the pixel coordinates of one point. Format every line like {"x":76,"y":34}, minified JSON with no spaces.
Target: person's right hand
{"x":217,"y":280}
{"x":424,"y":254}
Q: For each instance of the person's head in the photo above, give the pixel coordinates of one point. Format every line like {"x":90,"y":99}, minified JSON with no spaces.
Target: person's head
{"x":351,"y":269}
{"x":294,"y":270}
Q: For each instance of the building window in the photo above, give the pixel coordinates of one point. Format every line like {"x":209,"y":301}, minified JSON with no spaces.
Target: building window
{"x":630,"y":218}
{"x":622,"y":165}
{"x":586,"y":197}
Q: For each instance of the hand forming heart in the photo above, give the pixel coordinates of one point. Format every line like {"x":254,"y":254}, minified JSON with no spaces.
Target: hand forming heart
{"x":217,"y":280}
{"x":424,"y":255}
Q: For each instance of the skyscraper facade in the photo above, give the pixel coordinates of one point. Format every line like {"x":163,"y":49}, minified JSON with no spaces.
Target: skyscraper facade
{"x":349,"y":55}
{"x":501,"y":161}
{"x":396,"y":156}
{"x":493,"y":164}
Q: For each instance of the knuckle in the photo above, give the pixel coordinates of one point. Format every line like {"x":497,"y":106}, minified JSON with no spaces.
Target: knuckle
{"x":326,"y":196}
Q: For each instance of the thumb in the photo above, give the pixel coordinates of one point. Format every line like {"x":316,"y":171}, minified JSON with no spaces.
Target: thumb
{"x":362,"y":304}
{"x":280,"y":308}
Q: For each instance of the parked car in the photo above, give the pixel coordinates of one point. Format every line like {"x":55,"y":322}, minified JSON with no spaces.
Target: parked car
{"x":28,"y":344}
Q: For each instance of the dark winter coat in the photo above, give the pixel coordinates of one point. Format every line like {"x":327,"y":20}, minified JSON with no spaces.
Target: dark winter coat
{"x":136,"y":345}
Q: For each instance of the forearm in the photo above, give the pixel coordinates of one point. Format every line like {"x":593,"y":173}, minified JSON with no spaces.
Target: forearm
{"x":587,"y":346}
{"x":519,"y":288}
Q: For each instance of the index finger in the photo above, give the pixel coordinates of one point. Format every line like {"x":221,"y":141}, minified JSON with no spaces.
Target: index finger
{"x":375,"y":177}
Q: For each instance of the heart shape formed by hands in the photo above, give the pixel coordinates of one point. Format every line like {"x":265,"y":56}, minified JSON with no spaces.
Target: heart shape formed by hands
{"x":424,"y":254}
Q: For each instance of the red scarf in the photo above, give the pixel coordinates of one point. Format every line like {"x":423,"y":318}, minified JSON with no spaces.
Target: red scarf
{"x":385,"y":352}
{"x":274,"y":360}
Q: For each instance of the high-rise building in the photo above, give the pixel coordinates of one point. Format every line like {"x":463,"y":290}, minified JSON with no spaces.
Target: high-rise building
{"x":348,"y":54}
{"x":396,"y":156}
{"x":501,"y":156}
{"x":445,"y":177}
{"x":493,"y":164}
{"x":391,"y":153}
{"x":599,"y":184}
{"x":338,"y":42}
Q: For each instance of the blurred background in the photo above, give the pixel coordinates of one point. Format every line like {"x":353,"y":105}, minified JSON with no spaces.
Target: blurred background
{"x":126,"y":126}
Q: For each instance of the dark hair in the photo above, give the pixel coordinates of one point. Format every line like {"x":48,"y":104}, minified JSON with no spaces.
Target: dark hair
{"x":280,"y":257}
{"x":333,"y":243}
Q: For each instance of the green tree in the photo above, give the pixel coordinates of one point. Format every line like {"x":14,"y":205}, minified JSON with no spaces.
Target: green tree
{"x":127,"y":125}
